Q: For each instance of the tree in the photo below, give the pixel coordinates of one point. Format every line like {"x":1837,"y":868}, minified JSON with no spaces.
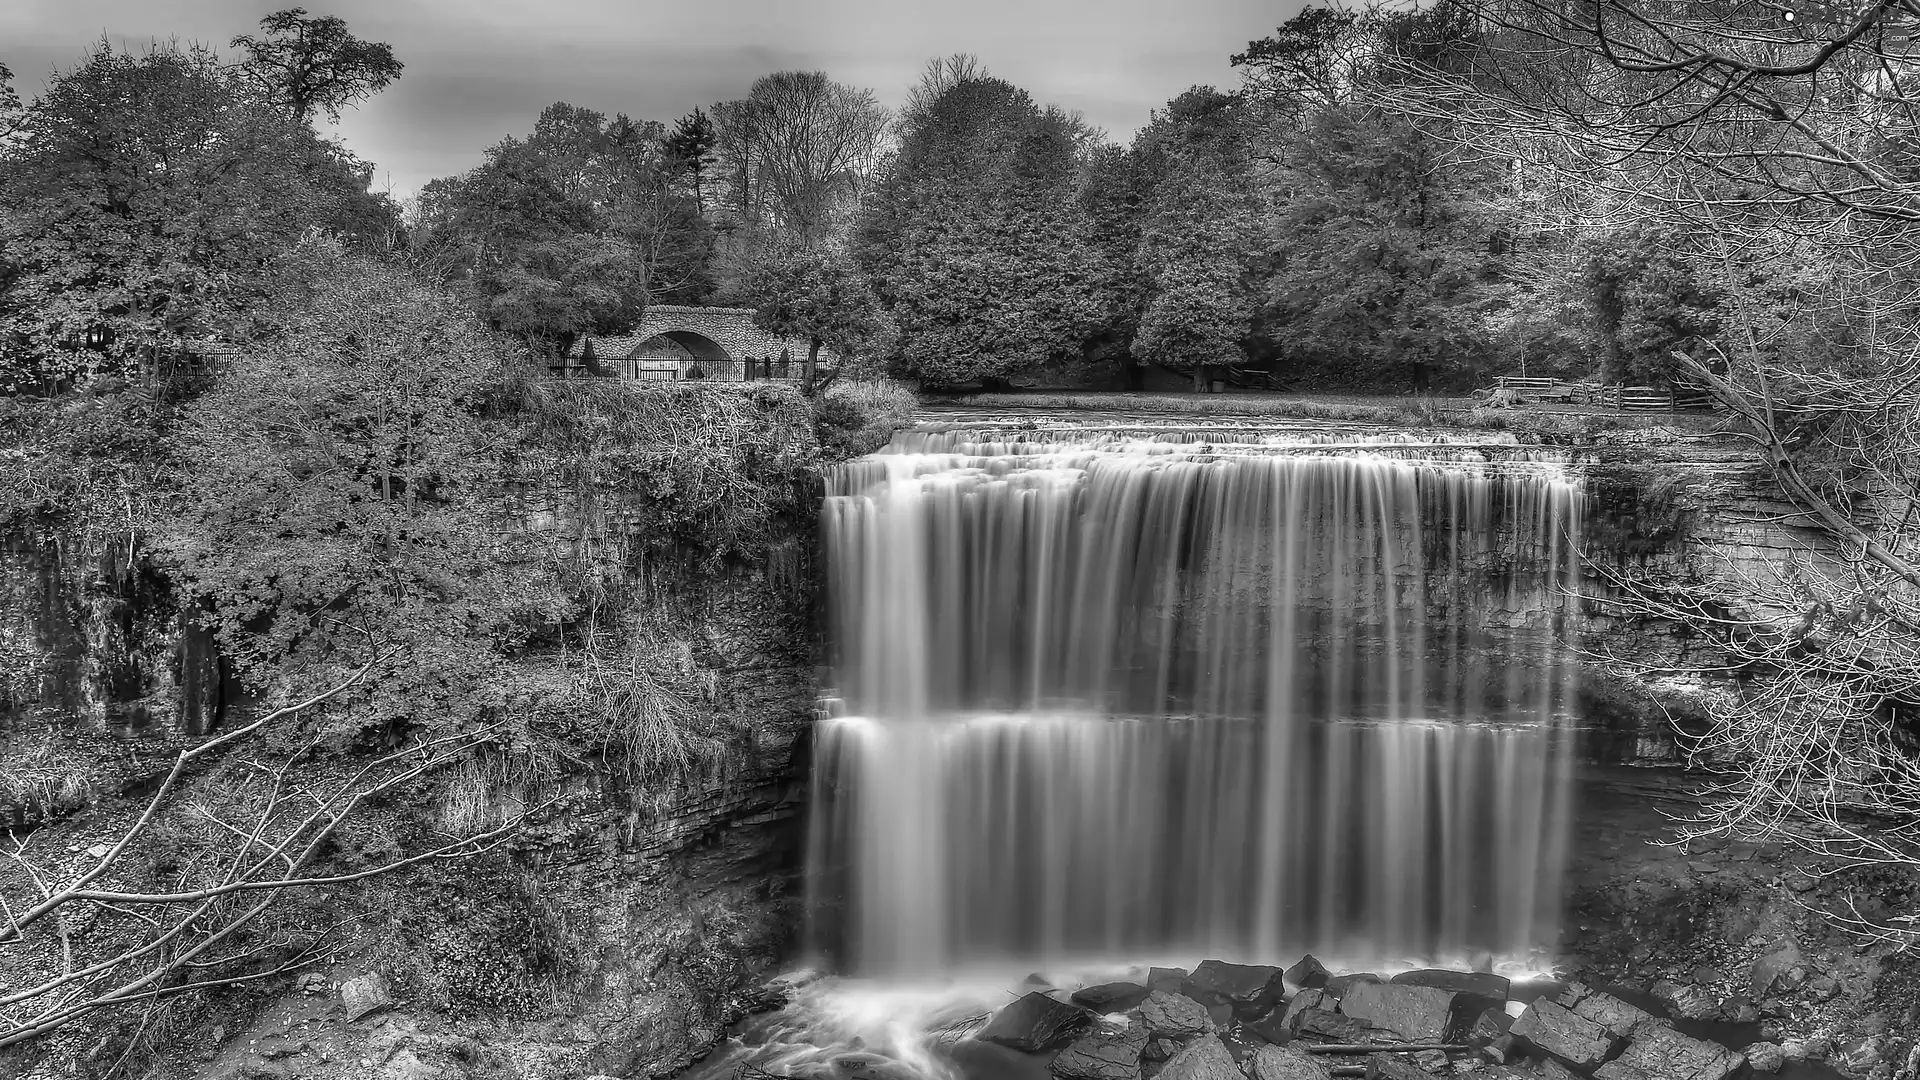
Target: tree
{"x":809,"y":144}
{"x":692,"y":144}
{"x":817,"y":294}
{"x":306,"y":64}
{"x":1200,"y":234}
{"x":1383,"y":265}
{"x":1312,"y":62}
{"x":976,"y":240}
{"x":574,"y":231}
{"x":1649,"y":301}
{"x":144,"y":195}
{"x":9,"y":105}
{"x":940,"y":75}
{"x":1779,"y":142}
{"x":339,"y":472}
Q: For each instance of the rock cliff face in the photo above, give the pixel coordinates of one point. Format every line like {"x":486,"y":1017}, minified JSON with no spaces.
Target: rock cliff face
{"x":1668,"y":512}
{"x":677,"y":897}
{"x":619,"y":933}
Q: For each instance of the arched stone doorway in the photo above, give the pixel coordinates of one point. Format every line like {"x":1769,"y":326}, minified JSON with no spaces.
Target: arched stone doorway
{"x":677,"y":354}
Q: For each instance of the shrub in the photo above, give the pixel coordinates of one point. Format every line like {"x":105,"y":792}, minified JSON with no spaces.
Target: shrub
{"x":856,"y":418}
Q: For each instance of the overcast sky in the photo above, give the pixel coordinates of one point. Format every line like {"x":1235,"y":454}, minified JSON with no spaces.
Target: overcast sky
{"x":477,"y":70}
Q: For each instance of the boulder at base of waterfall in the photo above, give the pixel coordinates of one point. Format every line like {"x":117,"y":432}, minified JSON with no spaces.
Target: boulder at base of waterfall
{"x":1309,"y":973}
{"x":1204,"y":1059}
{"x":1105,"y":1053}
{"x":1617,"y":1016}
{"x":1286,"y":1063}
{"x":1338,"y":986}
{"x":1271,"y":1028}
{"x":1480,"y":983}
{"x":1333,"y":1027}
{"x":1113,"y":997}
{"x":1036,"y":1022}
{"x":1575,"y":1040}
{"x":1488,"y":1026}
{"x":1172,"y":980}
{"x":1252,"y":990}
{"x":1662,"y":1053}
{"x":1302,"y":1001}
{"x":1393,"y":1067}
{"x":1415,"y":1013}
{"x":1473,"y":991}
{"x":1173,"y":1016}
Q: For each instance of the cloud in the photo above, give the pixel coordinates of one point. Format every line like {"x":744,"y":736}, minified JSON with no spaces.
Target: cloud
{"x":478,"y":70}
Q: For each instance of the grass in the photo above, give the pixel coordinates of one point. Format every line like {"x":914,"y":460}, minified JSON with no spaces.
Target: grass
{"x":43,"y":780}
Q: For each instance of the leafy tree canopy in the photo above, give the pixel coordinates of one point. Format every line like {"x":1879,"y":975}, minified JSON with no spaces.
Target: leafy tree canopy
{"x":977,"y":241}
{"x":574,"y":230}
{"x":306,"y":64}
{"x":145,"y":195}
{"x":817,"y":294}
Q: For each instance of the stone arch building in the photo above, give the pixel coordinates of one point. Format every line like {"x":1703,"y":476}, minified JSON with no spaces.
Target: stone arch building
{"x":715,"y":340}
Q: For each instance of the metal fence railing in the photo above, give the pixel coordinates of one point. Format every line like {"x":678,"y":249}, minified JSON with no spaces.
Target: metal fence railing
{"x":660,"y":371}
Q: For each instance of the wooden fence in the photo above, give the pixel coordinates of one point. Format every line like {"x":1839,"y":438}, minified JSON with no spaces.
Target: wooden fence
{"x":1620,"y":398}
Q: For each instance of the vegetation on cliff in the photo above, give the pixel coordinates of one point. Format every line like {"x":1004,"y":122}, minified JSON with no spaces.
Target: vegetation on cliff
{"x":285,"y":515}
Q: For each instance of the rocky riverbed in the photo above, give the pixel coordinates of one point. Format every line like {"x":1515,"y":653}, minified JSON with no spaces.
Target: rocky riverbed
{"x":1702,"y":961}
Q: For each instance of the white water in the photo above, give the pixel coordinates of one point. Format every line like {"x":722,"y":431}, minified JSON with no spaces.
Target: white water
{"x":1137,"y":699}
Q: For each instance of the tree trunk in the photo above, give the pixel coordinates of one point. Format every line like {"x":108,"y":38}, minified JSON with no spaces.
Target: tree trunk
{"x":812,"y":368}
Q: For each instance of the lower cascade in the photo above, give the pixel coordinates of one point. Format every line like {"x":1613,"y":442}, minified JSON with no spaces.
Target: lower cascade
{"x":1113,"y":701}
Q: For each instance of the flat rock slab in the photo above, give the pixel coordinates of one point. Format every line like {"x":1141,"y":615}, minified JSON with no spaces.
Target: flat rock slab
{"x":1308,"y":973}
{"x":1394,"y":1067}
{"x":1338,"y":986}
{"x":1035,"y":1023}
{"x":1575,"y":1040}
{"x":1173,"y":1016}
{"x":1286,"y":1063}
{"x":1481,"y":983}
{"x":1252,"y":989}
{"x":1330,"y":1026}
{"x":1617,"y":1016}
{"x":1662,"y":1053}
{"x":1113,"y":997}
{"x":1106,"y":1053}
{"x":1204,"y":1059}
{"x":1415,"y":1013}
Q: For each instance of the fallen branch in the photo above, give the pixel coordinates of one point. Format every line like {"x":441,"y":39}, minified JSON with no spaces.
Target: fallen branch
{"x":1381,"y":1048}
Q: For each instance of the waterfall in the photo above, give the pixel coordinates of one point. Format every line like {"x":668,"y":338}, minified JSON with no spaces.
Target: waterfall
{"x":1115,"y":697}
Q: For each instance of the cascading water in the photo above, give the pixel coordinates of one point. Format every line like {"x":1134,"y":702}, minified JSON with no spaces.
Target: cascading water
{"x":1126,"y":698}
